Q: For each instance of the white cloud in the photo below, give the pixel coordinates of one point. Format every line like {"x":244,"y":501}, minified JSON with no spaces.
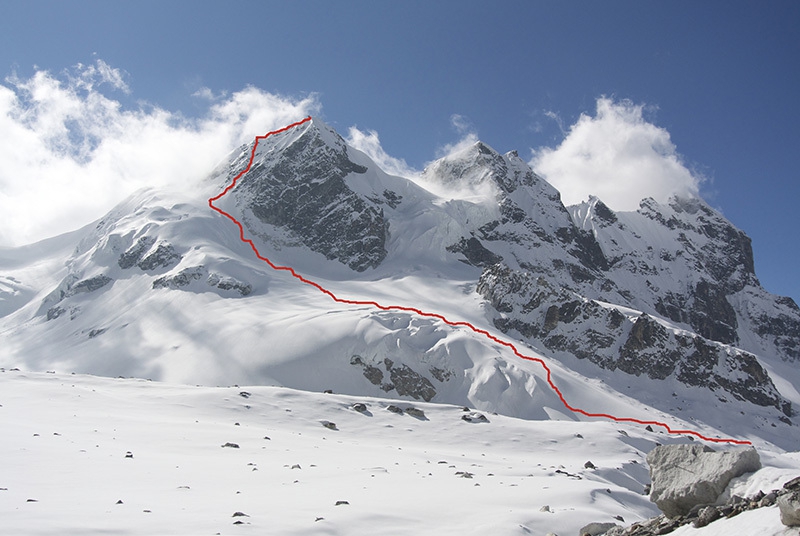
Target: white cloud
{"x":369,"y":143}
{"x":102,"y":73}
{"x":204,"y":93}
{"x":617,"y":156}
{"x":68,"y":152}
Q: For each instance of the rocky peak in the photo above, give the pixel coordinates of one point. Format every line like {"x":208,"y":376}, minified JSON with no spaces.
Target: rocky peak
{"x":479,"y":164}
{"x":472,"y":166}
{"x":297,"y":183}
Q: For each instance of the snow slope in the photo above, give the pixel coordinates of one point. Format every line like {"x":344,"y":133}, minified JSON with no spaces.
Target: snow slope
{"x":90,"y":455}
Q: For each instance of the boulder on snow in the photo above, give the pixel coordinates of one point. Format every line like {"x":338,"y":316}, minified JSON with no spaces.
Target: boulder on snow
{"x":416,"y":412}
{"x":596,"y":529}
{"x":789,"y":506}
{"x":474,"y":416}
{"x":684,"y":476}
{"x":789,"y":503}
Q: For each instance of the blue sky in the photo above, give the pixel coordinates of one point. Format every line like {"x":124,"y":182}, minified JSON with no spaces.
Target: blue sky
{"x":719,"y":81}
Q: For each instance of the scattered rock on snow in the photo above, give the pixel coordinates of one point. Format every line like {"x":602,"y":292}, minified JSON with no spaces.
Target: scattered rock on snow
{"x":394,"y":409}
{"x":705,"y":516}
{"x":329,"y":425}
{"x":684,"y":476}
{"x":474,"y":416}
{"x":230,"y":445}
{"x":589,"y":465}
{"x":560,"y":472}
{"x":359,"y":407}
{"x":340,"y":503}
{"x":768,"y":499}
{"x":415,"y":412}
{"x":239,"y":514}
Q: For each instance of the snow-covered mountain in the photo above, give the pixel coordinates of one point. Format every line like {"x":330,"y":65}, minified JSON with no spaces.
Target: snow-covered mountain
{"x":655,"y":314}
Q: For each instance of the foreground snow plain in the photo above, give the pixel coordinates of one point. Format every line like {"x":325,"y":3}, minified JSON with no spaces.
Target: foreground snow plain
{"x":88,"y":455}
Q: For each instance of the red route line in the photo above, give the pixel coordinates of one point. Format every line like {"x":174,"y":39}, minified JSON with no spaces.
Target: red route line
{"x":437,"y":316}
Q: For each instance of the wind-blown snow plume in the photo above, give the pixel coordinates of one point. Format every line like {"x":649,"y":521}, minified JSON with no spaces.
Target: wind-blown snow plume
{"x":69,"y":151}
{"x":369,"y":143}
{"x":618,"y":156}
{"x":467,"y":133}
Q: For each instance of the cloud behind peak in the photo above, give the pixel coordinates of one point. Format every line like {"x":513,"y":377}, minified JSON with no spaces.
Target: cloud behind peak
{"x":617,"y":156}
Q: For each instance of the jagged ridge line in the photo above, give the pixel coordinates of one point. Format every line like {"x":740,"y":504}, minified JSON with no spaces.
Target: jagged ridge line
{"x":437,"y":316}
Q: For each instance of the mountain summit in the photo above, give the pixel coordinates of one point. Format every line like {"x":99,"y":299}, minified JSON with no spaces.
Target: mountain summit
{"x":653,"y":312}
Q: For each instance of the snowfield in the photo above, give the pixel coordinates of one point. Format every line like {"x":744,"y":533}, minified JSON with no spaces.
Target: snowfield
{"x":89,"y":455}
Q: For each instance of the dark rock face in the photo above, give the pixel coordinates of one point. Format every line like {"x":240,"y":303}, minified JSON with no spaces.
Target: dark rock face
{"x":55,"y":312}
{"x":72,"y":285}
{"x":474,"y":252}
{"x":781,"y":326}
{"x":647,"y":350}
{"x":133,"y":254}
{"x":142,"y":255}
{"x":706,"y":309}
{"x":303,"y":190}
{"x":195,"y":273}
{"x":640,"y":347}
{"x":181,"y":279}
{"x":89,"y":285}
{"x":229,"y":283}
{"x":408,"y":382}
{"x":604,"y":214}
{"x":402,"y":379}
{"x":164,"y":256}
